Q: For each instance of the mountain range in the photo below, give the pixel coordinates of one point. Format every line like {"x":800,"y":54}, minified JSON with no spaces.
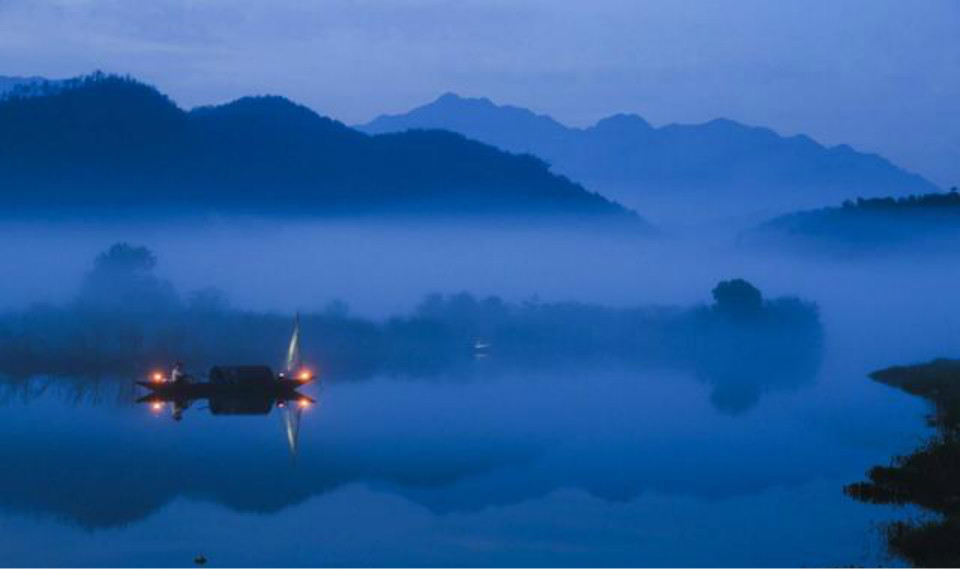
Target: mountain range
{"x":721,"y":165}
{"x":103,"y":144}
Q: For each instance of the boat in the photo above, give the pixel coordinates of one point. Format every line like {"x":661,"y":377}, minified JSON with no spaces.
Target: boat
{"x":234,"y":389}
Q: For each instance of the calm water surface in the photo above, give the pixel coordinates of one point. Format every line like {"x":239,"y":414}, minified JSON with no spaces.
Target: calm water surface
{"x":582,"y":466}
{"x":599,"y":465}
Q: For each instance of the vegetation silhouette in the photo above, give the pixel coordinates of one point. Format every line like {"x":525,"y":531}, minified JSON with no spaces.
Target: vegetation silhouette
{"x":105,"y":144}
{"x":122,"y":279}
{"x":738,"y":299}
{"x":125,"y":320}
{"x":928,"y":477}
{"x":747,"y":345}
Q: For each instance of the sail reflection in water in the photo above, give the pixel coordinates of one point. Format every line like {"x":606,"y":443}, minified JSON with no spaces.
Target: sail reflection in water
{"x":245,"y":393}
{"x":238,"y":390}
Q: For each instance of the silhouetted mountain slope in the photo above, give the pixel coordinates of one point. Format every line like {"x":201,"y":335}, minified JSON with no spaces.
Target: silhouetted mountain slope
{"x":874,"y":221}
{"x":104,"y":144}
{"x":625,"y":157}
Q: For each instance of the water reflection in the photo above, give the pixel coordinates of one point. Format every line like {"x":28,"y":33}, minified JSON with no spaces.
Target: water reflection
{"x":94,"y":471}
{"x":292,"y":415}
{"x":235,"y":400}
{"x":227,"y":399}
{"x":451,"y":448}
{"x":928,"y":477}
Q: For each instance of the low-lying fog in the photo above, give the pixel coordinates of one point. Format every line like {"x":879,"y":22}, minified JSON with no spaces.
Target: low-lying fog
{"x":714,"y":415}
{"x":382,"y":268}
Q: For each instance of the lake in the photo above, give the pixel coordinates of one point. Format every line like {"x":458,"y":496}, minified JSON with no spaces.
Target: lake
{"x":600,"y":464}
{"x":588,"y":467}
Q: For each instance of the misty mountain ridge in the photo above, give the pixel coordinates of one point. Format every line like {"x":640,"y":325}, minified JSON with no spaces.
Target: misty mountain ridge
{"x":108,"y":144}
{"x":720,"y":164}
{"x":924,"y":221}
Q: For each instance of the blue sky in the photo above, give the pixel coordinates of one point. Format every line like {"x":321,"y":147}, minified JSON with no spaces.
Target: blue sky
{"x":882,"y":75}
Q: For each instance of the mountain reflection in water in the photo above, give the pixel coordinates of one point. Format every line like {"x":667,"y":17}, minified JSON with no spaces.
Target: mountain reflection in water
{"x":928,"y":477}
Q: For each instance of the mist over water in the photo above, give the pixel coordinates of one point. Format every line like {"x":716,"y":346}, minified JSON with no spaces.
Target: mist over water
{"x":498,"y":465}
{"x":381,"y":268}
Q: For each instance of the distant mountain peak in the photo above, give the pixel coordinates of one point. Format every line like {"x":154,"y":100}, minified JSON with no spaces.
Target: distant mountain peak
{"x":129,"y":105}
{"x":723,"y":122}
{"x":449,"y":96}
{"x":623,"y":121}
{"x":745,"y":168}
{"x":453,"y":98}
{"x":99,"y":85}
{"x":467,"y":116}
{"x":450,"y":102}
{"x":261,"y":104}
{"x":122,"y":145}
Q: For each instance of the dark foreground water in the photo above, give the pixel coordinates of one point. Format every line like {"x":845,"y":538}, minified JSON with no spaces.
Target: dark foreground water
{"x":583,"y":467}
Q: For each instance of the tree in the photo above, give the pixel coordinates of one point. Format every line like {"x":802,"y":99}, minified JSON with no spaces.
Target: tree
{"x":123,"y":258}
{"x":737,"y":297}
{"x":122,"y":279}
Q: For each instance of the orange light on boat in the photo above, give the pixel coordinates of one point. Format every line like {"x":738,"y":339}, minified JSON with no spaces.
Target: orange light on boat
{"x":157,"y":406}
{"x":157,"y":377}
{"x":305,"y":374}
{"x":304,"y":403}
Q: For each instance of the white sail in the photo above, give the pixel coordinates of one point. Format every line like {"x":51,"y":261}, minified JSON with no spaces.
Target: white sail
{"x":293,"y":350}
{"x":291,"y":424}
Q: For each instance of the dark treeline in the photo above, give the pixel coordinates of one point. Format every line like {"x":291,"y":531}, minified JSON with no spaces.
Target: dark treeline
{"x":125,"y":320}
{"x":875,"y":221}
{"x":105,"y":144}
{"x":948,"y":203}
{"x":928,"y":477}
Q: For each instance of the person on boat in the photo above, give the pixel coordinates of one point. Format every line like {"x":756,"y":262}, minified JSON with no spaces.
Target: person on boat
{"x":176,"y":375}
{"x":179,"y":407}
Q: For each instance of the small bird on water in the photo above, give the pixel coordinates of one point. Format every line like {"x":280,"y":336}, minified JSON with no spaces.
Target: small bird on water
{"x":200,"y":560}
